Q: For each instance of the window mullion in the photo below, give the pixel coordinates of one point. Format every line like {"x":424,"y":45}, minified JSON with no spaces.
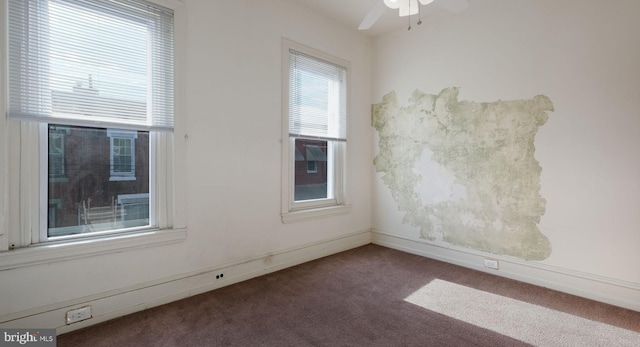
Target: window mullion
{"x":29,"y":198}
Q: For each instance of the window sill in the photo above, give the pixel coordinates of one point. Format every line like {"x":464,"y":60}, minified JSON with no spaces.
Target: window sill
{"x":122,"y":178}
{"x":58,"y":180}
{"x":67,"y":250}
{"x":302,"y":215}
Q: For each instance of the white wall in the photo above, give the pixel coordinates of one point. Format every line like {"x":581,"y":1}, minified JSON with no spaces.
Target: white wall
{"x":583,"y":55}
{"x":229,"y":97}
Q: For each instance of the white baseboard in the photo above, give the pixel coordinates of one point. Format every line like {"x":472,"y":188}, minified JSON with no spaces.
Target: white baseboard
{"x":113,"y":304}
{"x":608,"y":290}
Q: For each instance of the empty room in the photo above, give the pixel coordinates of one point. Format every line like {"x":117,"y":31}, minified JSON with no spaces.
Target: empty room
{"x":307,"y":172}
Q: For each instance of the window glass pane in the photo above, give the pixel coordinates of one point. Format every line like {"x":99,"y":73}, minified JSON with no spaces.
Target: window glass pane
{"x":122,"y":155}
{"x":311,"y":173}
{"x":87,"y":200}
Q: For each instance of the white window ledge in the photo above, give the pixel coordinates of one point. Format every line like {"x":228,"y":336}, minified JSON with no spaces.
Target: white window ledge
{"x":73,"y":249}
{"x":122,"y":178}
{"x":302,"y":215}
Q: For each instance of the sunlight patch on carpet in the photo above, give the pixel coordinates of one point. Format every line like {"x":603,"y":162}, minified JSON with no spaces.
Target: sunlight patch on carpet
{"x":518,"y":319}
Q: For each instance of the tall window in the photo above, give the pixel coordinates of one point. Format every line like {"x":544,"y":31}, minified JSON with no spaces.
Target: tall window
{"x":56,"y":153}
{"x":83,"y":66}
{"x":122,"y":156}
{"x":316,"y":125}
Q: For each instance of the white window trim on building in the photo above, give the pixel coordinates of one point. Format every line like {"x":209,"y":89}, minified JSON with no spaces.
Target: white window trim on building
{"x":126,"y":135}
{"x":21,"y":220}
{"x":60,"y":134}
{"x":336,"y":203}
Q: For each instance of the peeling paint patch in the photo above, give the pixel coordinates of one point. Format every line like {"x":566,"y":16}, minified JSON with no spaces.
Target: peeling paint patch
{"x":465,"y":172}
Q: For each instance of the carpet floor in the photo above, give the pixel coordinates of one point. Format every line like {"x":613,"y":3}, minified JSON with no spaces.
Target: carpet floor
{"x":372,"y":296}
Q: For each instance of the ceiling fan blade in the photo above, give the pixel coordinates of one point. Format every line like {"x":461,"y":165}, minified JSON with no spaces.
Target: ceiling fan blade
{"x":454,"y":6}
{"x":374,"y":14}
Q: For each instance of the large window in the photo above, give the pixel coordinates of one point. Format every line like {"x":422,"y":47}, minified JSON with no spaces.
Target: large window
{"x":102,"y":173}
{"x":97,"y":76}
{"x":316,"y":127}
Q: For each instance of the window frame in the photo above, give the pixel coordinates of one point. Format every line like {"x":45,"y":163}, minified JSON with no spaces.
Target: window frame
{"x":312,"y":169}
{"x":43,"y":208}
{"x":131,"y":136}
{"x":21,"y":179}
{"x":62,"y":133}
{"x":336,"y":203}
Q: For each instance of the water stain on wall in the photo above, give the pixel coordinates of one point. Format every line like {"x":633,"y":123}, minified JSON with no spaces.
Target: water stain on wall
{"x":465,"y":172}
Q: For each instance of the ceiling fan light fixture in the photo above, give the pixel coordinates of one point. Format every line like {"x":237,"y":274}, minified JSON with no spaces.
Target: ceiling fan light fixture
{"x":406,"y":7}
{"x":392,"y":4}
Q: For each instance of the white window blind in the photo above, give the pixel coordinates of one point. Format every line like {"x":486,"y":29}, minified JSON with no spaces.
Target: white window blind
{"x":91,"y":63}
{"x":317,"y":98}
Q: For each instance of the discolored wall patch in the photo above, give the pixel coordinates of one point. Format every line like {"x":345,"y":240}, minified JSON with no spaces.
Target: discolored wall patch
{"x":465,"y":172}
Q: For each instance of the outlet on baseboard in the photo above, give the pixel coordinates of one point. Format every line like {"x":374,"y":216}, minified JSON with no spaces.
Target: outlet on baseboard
{"x":78,"y":314}
{"x":491,"y":263}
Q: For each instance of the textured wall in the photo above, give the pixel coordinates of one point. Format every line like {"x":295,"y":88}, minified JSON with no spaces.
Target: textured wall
{"x":465,"y":172}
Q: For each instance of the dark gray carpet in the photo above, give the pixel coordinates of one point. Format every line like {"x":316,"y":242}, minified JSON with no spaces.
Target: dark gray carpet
{"x":372,"y":296}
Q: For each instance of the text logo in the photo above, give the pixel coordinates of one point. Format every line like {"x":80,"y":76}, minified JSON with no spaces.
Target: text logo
{"x":27,"y":337}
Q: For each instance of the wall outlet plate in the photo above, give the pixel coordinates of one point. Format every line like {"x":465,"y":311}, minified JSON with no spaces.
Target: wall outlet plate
{"x":78,"y":314}
{"x":491,"y":263}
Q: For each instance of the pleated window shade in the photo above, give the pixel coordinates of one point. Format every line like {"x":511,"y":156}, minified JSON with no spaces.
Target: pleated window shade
{"x":91,"y":63}
{"x":317,"y":98}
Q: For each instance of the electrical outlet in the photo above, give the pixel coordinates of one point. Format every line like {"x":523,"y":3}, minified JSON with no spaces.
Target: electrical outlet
{"x":491,"y":264}
{"x":78,"y":314}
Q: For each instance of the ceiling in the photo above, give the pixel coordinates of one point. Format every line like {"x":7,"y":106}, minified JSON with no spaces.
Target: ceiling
{"x":351,"y":12}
